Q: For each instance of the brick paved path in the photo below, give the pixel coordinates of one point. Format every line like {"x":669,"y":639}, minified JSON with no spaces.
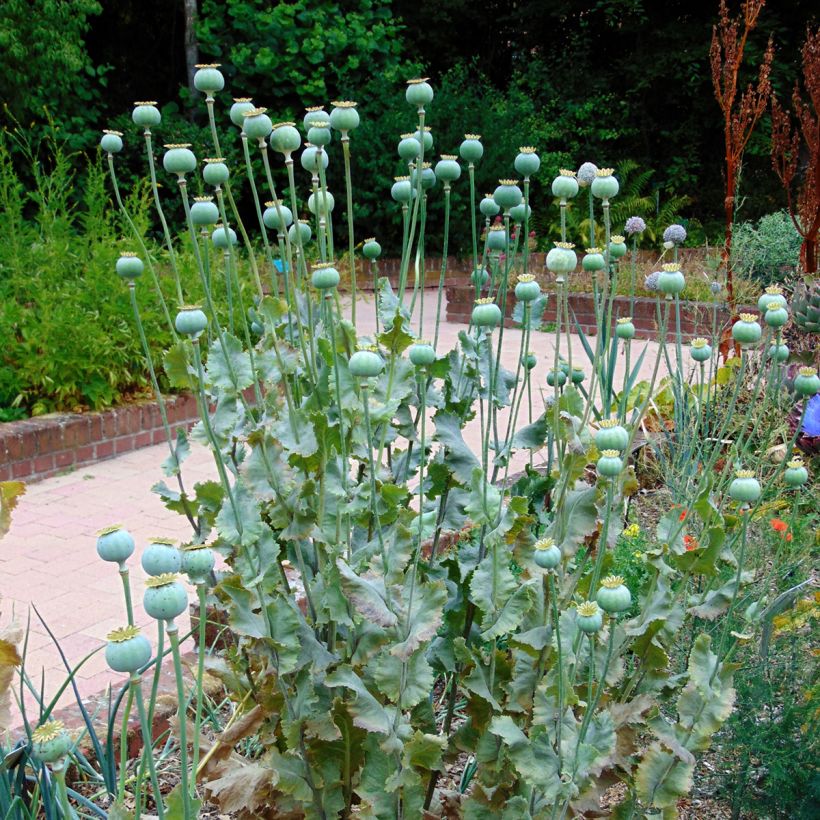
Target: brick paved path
{"x":49,"y":558}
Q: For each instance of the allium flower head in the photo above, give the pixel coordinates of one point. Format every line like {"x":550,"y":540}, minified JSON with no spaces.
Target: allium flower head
{"x":586,"y":173}
{"x":634,"y":225}
{"x":675,"y":234}
{"x":651,"y":281}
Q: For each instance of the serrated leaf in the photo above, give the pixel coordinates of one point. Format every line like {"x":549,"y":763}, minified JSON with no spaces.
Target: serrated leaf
{"x":367,"y":596}
{"x":240,"y":520}
{"x":396,"y":339}
{"x":536,"y":310}
{"x":459,"y":458}
{"x":295,"y":432}
{"x":508,"y":617}
{"x":229,"y":368}
{"x":428,"y":608}
{"x":366,"y":711}
{"x":484,"y":503}
{"x":242,"y":787}
{"x":424,"y":751}
{"x":172,"y":464}
{"x":662,"y":779}
{"x":179,"y":367}
{"x":387,"y":670}
{"x":175,"y":805}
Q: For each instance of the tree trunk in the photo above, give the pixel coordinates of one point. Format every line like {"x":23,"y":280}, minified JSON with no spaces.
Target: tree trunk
{"x":191,"y":42}
{"x":808,"y":255}
{"x":729,"y":213}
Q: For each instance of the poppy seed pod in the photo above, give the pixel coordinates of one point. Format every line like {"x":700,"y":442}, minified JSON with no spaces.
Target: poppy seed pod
{"x":556,"y":377}
{"x":127,"y":650}
{"x":745,"y":488}
{"x":190,"y":321}
{"x":617,"y":247}
{"x":277,"y":217}
{"x":284,"y":138}
{"x":129,"y":266}
{"x":613,"y":595}
{"x":796,"y":474}
{"x":671,"y":280}
{"x":562,"y":259}
{"x":527,"y":162}
{"x":447,"y":168}
{"x":324,"y":276}
{"x":700,"y":350}
{"x":746,"y":330}
{"x":589,"y":617}
{"x":604,"y":186}
{"x":480,"y":277}
{"x":611,"y":435}
{"x":409,"y":147}
{"x":471,"y":150}
{"x":776,"y":315}
{"x":179,"y":159}
{"x":310,"y":159}
{"x":772,"y":295}
{"x":208,"y":79}
{"x":625,"y":328}
{"x":547,"y":555}
{"x":593,"y":260}
{"x":344,"y":116}
{"x":164,"y":598}
{"x":365,"y":364}
{"x":610,"y":464}
{"x":520,"y":213}
{"x":527,"y":289}
{"x":577,"y":374}
{"x":305,"y":231}
{"x":314,"y":114}
{"x":402,"y":190}
{"x":371,"y":249}
{"x":421,"y":354}
{"x":497,"y":238}
{"x":221,"y":238}
{"x":204,"y":211}
{"x":215,"y":172}
{"x":419,"y":92}
{"x":115,"y":544}
{"x":488,"y":206}
{"x":50,"y":742}
{"x":146,"y":114}
{"x":238,"y":109}
{"x":507,"y":195}
{"x":779,"y":352}
{"x":529,"y":361}
{"x":322,"y":202}
{"x":428,"y":177}
{"x":161,"y":556}
{"x":486,"y":313}
{"x":111,"y":142}
{"x":565,"y":185}
{"x":198,"y":563}
{"x":257,"y":123}
{"x":425,"y":138}
{"x":807,"y":382}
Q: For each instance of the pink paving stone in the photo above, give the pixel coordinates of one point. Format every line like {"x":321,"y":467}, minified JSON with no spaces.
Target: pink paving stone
{"x":48,"y":557}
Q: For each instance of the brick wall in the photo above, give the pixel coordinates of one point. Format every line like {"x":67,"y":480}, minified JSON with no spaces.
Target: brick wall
{"x":40,"y":447}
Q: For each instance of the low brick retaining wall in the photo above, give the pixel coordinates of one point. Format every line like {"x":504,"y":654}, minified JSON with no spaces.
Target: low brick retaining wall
{"x":40,"y":447}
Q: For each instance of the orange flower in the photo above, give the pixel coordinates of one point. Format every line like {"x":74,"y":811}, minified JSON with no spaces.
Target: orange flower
{"x":778,"y":525}
{"x":788,"y":536}
{"x":690,"y":542}
{"x":682,"y":516}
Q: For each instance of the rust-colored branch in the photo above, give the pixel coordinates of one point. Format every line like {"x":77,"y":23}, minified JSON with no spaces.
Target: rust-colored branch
{"x":796,"y":152}
{"x":741,"y":110}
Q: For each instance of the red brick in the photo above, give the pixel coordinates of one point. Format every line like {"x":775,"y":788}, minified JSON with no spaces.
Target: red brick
{"x":158,"y":436}
{"x":85,"y":453}
{"x":21,"y":469}
{"x":76,"y":432}
{"x":95,"y":425}
{"x":5,"y":472}
{"x":64,"y":459}
{"x":142,"y":439}
{"x":109,"y":425}
{"x":124,"y":444}
{"x":105,"y":449}
{"x":42,"y":464}
{"x":49,"y":438}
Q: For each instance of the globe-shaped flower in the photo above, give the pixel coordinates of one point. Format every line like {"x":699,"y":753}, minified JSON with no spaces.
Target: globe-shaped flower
{"x":650,"y":282}
{"x":634,"y":225}
{"x":675,"y":234}
{"x":586,"y":173}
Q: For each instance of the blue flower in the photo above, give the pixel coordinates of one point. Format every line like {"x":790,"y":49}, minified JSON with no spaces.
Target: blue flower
{"x":675,"y":233}
{"x":811,"y":423}
{"x":586,"y":173}
{"x":651,"y":281}
{"x":634,"y":225}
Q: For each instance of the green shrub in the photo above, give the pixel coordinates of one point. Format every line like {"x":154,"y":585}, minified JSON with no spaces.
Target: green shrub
{"x":768,"y":250}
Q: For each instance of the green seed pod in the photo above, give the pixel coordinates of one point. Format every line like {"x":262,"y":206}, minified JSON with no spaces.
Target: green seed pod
{"x":325,"y":276}
{"x":745,"y":487}
{"x":807,"y":382}
{"x":796,"y":474}
{"x":547,"y":555}
{"x":409,"y":147}
{"x":314,"y":114}
{"x":321,"y":201}
{"x":129,"y":266}
{"x":371,"y":249}
{"x":613,"y":595}
{"x":604,"y":186}
{"x":507,"y":195}
{"x":190,"y":321}
{"x":240,"y":106}
{"x":146,"y":114}
{"x":471,"y":149}
{"x":111,"y":142}
{"x":486,"y":313}
{"x":746,"y":330}
{"x":127,"y":650}
{"x":198,"y":563}
{"x":428,"y":178}
{"x":521,"y":212}
{"x":285,"y":139}
{"x":671,"y":280}
{"x":779,"y":352}
{"x":165,"y":598}
{"x":610,"y":464}
{"x":772,"y":295}
{"x":776,"y":315}
{"x":257,"y":124}
{"x":115,"y":544}
{"x":611,"y":436}
{"x":419,"y":92}
{"x":589,"y":617}
{"x":447,"y":168}
{"x":426,"y":139}
{"x":310,"y":159}
{"x":179,"y":159}
{"x":320,"y":135}
{"x":527,"y":162}
{"x":365,"y":364}
{"x":577,"y":374}
{"x":208,"y":79}
{"x":204,"y":211}
{"x":700,"y":350}
{"x":617,"y":247}
{"x":593,"y":260}
{"x":563,"y":365}
{"x":50,"y":742}
{"x":489,"y":207}
{"x":527,"y":289}
{"x":480,"y":277}
{"x":562,"y":258}
{"x":272,"y":219}
{"x":305,"y":231}
{"x":556,"y":377}
{"x":220,"y":237}
{"x":344,"y":116}
{"x":215,"y":172}
{"x":422,"y":354}
{"x":625,"y":328}
{"x":529,"y":361}
{"x":497,"y":238}
{"x":402,"y":190}
{"x":565,"y":185}
{"x":160,"y":557}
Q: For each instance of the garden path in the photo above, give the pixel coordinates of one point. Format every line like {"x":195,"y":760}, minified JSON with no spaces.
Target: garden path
{"x":48,"y":558}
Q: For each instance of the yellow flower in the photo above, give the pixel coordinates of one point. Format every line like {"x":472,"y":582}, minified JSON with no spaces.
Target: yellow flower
{"x":632,"y":531}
